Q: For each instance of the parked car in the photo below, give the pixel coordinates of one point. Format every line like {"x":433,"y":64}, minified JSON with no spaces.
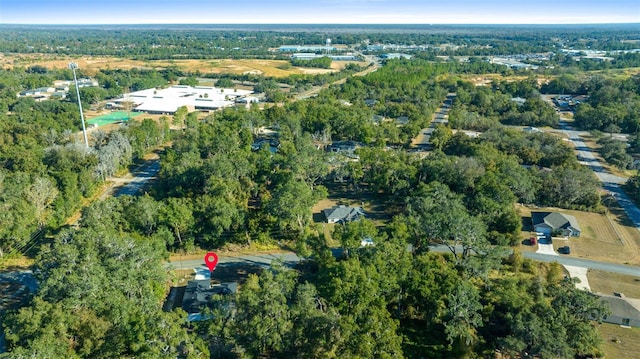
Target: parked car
{"x":564,"y":250}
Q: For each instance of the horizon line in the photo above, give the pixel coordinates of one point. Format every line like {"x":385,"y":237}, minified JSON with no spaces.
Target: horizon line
{"x":318,"y":23}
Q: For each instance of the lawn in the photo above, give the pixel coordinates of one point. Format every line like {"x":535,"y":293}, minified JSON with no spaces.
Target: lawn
{"x":608,"y":283}
{"x":620,"y":343}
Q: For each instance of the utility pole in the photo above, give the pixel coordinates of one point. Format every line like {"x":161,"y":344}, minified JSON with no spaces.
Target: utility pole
{"x":73,"y":66}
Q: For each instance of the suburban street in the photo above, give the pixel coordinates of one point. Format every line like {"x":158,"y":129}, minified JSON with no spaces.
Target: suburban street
{"x":263,"y":260}
{"x":611,"y":183}
{"x":440,"y":117}
{"x":290,"y":259}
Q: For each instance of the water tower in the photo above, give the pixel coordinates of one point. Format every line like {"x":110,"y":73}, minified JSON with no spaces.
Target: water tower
{"x":328,"y":46}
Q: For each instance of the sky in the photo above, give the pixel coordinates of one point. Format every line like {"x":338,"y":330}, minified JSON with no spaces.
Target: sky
{"x":318,"y":12}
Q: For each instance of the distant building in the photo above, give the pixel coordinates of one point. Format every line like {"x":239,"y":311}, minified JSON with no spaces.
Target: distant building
{"x":307,"y":48}
{"x":396,"y":55}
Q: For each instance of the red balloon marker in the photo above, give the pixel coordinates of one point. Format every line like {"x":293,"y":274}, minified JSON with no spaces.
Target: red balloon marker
{"x":211,"y":259}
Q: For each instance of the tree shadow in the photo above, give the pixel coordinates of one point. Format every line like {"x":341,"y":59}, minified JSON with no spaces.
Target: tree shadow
{"x":527,"y":224}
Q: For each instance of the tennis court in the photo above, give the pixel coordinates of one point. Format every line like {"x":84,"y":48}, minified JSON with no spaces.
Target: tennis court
{"x":113,"y":117}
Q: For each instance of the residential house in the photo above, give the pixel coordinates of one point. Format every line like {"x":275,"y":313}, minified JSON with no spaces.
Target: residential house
{"x":551,"y":223}
{"x":531,"y":129}
{"x":402,"y":120}
{"x":343,"y":214}
{"x":624,"y":311}
{"x":347,"y":147}
{"x":198,"y":295}
{"x":519,"y":100}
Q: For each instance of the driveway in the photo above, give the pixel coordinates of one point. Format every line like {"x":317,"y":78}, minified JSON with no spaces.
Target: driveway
{"x":546,"y":249}
{"x":581,"y":274}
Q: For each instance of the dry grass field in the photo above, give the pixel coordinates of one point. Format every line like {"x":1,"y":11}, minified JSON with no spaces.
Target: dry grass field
{"x":91,"y":64}
{"x":608,"y":238}
{"x":620,"y":343}
{"x":607,"y":283}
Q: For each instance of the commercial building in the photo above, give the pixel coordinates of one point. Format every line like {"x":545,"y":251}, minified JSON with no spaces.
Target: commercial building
{"x":167,"y":101}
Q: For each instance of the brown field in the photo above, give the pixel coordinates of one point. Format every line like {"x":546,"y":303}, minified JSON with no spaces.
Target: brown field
{"x":608,"y":238}
{"x":91,"y":64}
{"x":607,"y":283}
{"x":620,"y":343}
{"x":487,"y":79}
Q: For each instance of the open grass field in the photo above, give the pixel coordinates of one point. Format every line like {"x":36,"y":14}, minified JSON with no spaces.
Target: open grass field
{"x":609,"y":238}
{"x":91,"y":64}
{"x":607,"y":283}
{"x":620,"y":343}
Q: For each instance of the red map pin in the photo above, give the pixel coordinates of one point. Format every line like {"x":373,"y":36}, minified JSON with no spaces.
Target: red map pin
{"x":211,"y":259}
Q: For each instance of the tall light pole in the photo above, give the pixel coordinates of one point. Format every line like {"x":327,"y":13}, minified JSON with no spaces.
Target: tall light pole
{"x":73,"y":66}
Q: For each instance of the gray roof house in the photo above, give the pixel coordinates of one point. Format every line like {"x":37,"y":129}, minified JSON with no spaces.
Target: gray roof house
{"x":342,"y":214}
{"x":553,"y":222}
{"x":624,"y":311}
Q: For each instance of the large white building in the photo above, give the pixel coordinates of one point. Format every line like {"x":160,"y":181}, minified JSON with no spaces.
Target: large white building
{"x":168,"y":100}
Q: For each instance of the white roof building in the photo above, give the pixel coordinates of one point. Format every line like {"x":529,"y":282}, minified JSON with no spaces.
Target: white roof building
{"x":167,"y":101}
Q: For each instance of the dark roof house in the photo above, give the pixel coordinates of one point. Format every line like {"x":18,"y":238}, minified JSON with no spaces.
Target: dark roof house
{"x":550,"y":222}
{"x":343,"y":146}
{"x":198,"y":294}
{"x":342,"y":214}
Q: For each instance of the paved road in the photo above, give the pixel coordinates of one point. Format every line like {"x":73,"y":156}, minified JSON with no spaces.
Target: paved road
{"x":586,"y":156}
{"x":584,"y":263}
{"x":440,"y":117}
{"x":610,"y":182}
{"x":632,"y":211}
{"x":27,"y":280}
{"x":142,"y":175}
{"x":291,"y":259}
{"x":24,"y":277}
{"x":263,"y":260}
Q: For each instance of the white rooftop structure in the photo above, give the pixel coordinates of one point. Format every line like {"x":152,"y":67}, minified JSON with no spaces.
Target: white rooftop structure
{"x":167,"y":101}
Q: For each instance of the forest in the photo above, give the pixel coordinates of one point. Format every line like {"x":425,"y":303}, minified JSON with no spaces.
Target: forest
{"x":102,"y":283}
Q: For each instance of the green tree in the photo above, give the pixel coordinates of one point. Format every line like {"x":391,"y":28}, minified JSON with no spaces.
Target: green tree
{"x":440,"y":136}
{"x":177,"y":214}
{"x":263,"y":322}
